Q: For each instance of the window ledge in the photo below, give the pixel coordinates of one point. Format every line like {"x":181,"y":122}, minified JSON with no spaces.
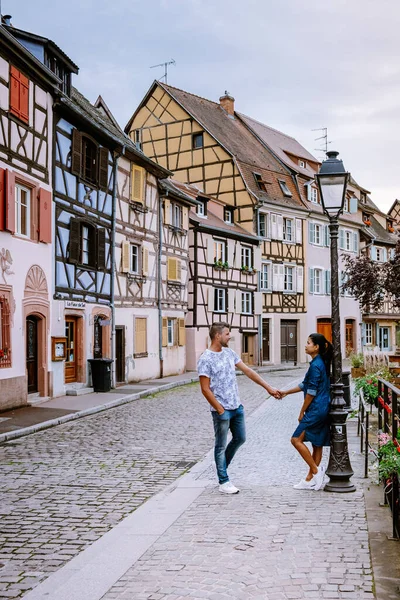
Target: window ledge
{"x":175,"y":283}
{"x":138,"y":207}
{"x":136,"y":276}
{"x":177,"y":230}
{"x":141,"y":355}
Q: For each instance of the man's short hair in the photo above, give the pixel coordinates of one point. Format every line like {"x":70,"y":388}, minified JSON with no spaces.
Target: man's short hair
{"x":218,"y":328}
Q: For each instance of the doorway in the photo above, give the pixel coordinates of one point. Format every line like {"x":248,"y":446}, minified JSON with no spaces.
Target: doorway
{"x":349,"y":336}
{"x":265,"y":341}
{"x":383,"y":338}
{"x":32,"y":354}
{"x":71,"y":362}
{"x":289,"y":341}
{"x":324,"y":327}
{"x":120,"y":353}
{"x":248,"y":346}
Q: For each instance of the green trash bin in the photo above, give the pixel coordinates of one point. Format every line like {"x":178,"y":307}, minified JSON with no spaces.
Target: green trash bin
{"x":101,"y":373}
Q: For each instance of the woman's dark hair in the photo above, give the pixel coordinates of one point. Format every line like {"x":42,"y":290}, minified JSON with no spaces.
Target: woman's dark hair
{"x":325,"y":349}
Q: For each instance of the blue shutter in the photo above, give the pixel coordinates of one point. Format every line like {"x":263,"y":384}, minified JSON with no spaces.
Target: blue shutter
{"x":311,"y":280}
{"x":327,"y":237}
{"x":341,"y":239}
{"x":327,"y":282}
{"x":311,"y":233}
{"x":355,"y":241}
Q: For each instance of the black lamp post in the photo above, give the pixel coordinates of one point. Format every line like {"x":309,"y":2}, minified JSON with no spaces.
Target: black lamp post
{"x":332,"y":182}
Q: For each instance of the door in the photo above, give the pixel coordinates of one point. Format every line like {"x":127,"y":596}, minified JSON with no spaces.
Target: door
{"x":265,"y":340}
{"x":72,"y":350}
{"x":120,"y":354}
{"x":349,"y":336}
{"x":384,"y":338}
{"x":32,"y":354}
{"x":289,"y":341}
{"x":98,"y":337}
{"x":324,"y":327}
{"x":248,"y":346}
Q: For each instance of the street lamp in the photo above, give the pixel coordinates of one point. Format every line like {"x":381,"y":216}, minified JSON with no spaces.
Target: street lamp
{"x":332,"y":182}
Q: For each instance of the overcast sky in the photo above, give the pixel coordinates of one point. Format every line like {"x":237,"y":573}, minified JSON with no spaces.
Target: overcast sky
{"x":295,"y":65}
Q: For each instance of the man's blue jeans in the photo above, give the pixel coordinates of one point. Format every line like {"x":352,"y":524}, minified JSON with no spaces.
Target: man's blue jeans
{"x":232,"y":420}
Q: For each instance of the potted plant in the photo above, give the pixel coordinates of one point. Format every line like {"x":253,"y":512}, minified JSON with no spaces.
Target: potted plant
{"x":357,"y":364}
{"x":369,"y":385}
{"x":220,"y":265}
{"x":389,"y":459}
{"x":248,"y":270}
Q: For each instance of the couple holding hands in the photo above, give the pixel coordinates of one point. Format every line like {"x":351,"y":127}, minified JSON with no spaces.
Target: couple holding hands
{"x":216,"y":369}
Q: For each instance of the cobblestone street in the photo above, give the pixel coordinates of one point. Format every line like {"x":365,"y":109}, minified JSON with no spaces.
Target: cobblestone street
{"x":62,"y":489}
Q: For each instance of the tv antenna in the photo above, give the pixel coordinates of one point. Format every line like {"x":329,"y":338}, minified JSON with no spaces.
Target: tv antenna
{"x":323,"y":137}
{"x":165,"y":65}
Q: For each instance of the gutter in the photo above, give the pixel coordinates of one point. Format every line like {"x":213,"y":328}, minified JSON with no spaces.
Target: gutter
{"x":159,"y":286}
{"x":113,"y":265}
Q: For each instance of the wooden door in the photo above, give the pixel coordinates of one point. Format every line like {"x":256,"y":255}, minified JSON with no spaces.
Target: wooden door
{"x":120,"y":354}
{"x":324,"y":327}
{"x":349,"y":336}
{"x":248,"y":347}
{"x":289,"y":341}
{"x":72,"y":349}
{"x":265,"y":340}
{"x":32,"y":354}
{"x":98,"y":337}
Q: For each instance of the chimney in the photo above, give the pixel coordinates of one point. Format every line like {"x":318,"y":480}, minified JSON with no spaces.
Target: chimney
{"x":6,"y":20}
{"x":227,"y":102}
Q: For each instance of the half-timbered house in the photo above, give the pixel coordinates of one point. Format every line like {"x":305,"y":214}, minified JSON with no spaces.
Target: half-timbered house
{"x":27,"y":87}
{"x":208,"y":144}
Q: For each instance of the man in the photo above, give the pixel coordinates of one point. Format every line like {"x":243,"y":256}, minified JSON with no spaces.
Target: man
{"x":216,"y":368}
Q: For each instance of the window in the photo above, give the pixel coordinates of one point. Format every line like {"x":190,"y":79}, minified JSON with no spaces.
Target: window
{"x":368,"y":334}
{"x":197,"y":140}
{"x":246,"y":303}
{"x":314,"y":195}
{"x":347,"y":241}
{"x":317,"y":234}
{"x":87,"y":244}
{"x":284,"y":188}
{"x":200,"y":209}
{"x":383,"y":338}
{"x":288,"y":230}
{"x":134,"y":262}
{"x":263,"y":225}
{"x":19,"y":95}
{"x":88,"y":160}
{"x":219,"y":251}
{"x":140,"y":348}
{"x":246,"y":257}
{"x":363,"y":197}
{"x":22,"y":210}
{"x":170,"y":332}
{"x":98,"y":336}
{"x":137,"y":138}
{"x":318,"y":281}
{"x":302,"y":164}
{"x":346,"y":205}
{"x":58,"y":68}
{"x":288,"y":284}
{"x":265,"y":276}
{"x":176,"y":216}
{"x":261,"y":184}
{"x":228,"y":217}
{"x":219,"y":299}
{"x":379,"y":254}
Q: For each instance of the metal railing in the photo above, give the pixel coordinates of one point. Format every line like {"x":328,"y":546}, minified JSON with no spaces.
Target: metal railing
{"x":364,"y":410}
{"x":388,"y":422}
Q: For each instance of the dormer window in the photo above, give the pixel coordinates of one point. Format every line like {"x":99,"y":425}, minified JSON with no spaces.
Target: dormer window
{"x":137,"y":138}
{"x":302,"y":164}
{"x":285,"y":189}
{"x":363,"y":197}
{"x":201,"y":209}
{"x":88,"y":161}
{"x":390,"y":226}
{"x":228,"y":217}
{"x":197,"y":141}
{"x":260,"y":182}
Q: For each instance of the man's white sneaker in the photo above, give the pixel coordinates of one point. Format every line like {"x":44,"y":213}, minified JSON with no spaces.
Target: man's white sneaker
{"x":305,"y":485}
{"x":319,"y":478}
{"x":228,"y":488}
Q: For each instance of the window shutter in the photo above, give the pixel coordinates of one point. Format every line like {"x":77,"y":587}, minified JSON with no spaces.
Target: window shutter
{"x":185,"y":218}
{"x":327,"y":283}
{"x":210,"y":299}
{"x":300,"y":277}
{"x":181,"y":332}
{"x":238,"y":309}
{"x":140,"y":336}
{"x":76,"y":152}
{"x":231,"y":300}
{"x":341,"y":239}
{"x":2,"y":199}
{"x":103,"y":169}
{"x":210,"y":250}
{"x":167,"y":212}
{"x":274,"y":226}
{"x":178,"y":270}
{"x":373,"y":253}
{"x":14,"y":91}
{"x":299,"y":231}
{"x":281,"y":278}
{"x":172,"y":269}
{"x":137,"y":184}
{"x":257,"y":257}
{"x":280,"y":227}
{"x":24,"y":98}
{"x":164,"y":332}
{"x":384,"y":255}
{"x":311,"y":280}
{"x":309,"y":195}
{"x":10,"y":201}
{"x":311,"y":233}
{"x":327,"y":237}
{"x":258,"y":303}
{"x":275,"y":278}
{"x":45,"y":215}
{"x":353,"y":204}
{"x":145,"y":262}
{"x":231,"y":249}
{"x":101,"y":249}
{"x":74,"y":241}
{"x":125,"y":256}
{"x":355,"y":241}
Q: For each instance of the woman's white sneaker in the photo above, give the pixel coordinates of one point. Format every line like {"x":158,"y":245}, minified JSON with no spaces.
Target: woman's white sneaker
{"x":228,"y":488}
{"x":305,"y":485}
{"x":319,"y":478}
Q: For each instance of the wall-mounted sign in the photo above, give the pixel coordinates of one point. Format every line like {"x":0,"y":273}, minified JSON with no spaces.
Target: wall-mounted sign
{"x":74,"y":304}
{"x":58,"y":348}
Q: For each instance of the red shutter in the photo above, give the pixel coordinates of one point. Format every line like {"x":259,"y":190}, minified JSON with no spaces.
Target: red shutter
{"x":14,"y":91}
{"x":45,"y":217}
{"x":2,"y":199}
{"x":24,"y":98}
{"x":10,"y":201}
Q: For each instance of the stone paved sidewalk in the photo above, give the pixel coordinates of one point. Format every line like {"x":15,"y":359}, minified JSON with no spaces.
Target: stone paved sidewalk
{"x":270,"y":542}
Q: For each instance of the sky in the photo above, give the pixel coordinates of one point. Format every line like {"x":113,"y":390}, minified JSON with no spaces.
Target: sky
{"x":295,"y":65}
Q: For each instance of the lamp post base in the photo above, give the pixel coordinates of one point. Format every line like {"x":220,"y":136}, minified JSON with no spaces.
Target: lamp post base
{"x":341,"y":487}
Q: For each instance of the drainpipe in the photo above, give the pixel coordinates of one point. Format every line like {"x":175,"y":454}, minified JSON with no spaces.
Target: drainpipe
{"x":159,"y":287}
{"x":195,"y":275}
{"x":112,"y":257}
{"x":258,"y":286}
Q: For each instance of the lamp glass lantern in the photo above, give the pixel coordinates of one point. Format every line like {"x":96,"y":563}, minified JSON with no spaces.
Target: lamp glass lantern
{"x":332,"y":182}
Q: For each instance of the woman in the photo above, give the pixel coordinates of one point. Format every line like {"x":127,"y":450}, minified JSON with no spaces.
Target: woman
{"x":313,"y":419}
